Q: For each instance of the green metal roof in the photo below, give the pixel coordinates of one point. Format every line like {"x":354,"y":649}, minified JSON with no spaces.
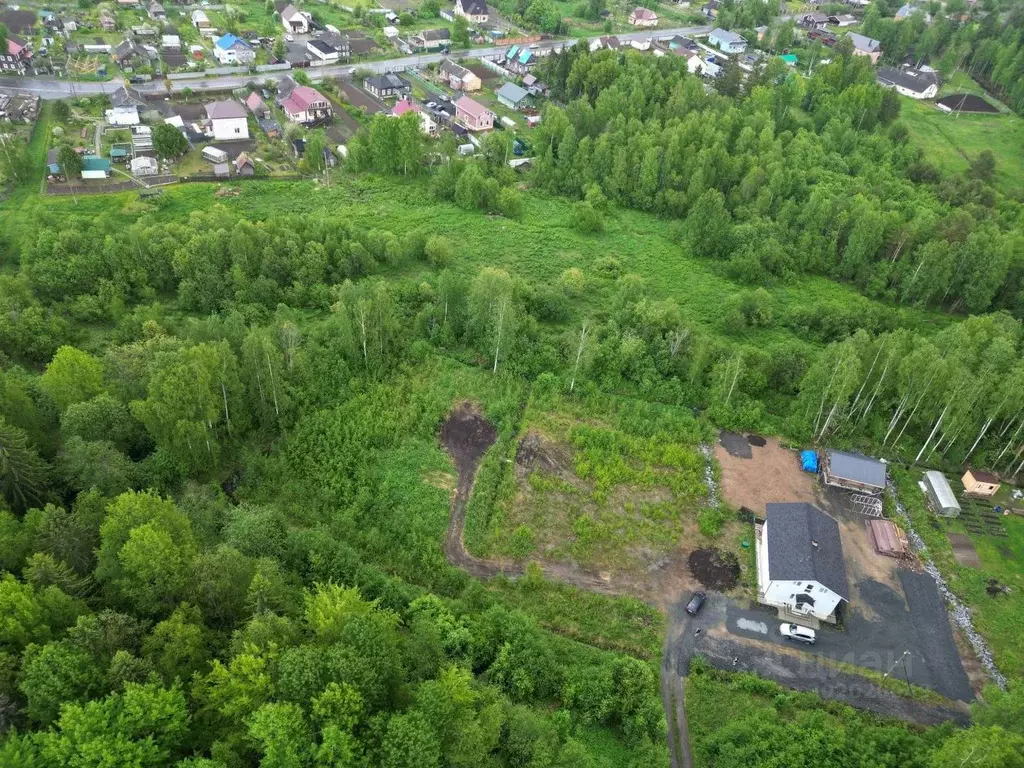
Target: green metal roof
{"x":95,"y":164}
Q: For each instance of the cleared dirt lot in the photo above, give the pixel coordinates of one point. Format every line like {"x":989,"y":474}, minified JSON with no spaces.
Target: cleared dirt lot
{"x":772,"y":473}
{"x":357,"y":97}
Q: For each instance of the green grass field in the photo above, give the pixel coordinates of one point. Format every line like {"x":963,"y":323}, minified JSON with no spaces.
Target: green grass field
{"x":950,"y":143}
{"x":540,"y":246}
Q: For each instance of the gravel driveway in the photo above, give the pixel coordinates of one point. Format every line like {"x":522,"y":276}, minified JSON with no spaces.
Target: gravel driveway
{"x":727,"y":647}
{"x":877,"y":630}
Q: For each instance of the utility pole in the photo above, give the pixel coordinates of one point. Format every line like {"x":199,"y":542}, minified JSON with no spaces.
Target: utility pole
{"x":902,"y":659}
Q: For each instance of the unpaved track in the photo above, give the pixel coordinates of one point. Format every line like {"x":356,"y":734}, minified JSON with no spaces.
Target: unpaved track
{"x":467,"y":435}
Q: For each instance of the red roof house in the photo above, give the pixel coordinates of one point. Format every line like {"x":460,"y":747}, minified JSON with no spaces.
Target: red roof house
{"x":306,"y":105}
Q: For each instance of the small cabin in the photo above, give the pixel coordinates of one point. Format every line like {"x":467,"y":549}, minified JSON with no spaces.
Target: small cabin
{"x":983,"y":485}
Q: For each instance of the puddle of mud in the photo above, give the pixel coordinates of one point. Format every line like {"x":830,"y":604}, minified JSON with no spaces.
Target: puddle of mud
{"x":466,"y":434}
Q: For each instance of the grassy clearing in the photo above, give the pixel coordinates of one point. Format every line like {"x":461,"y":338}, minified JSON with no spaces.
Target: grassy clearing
{"x":541,"y":246}
{"x":613,"y":623}
{"x":609,"y":488}
{"x":950,"y":143}
{"x":1000,"y":619}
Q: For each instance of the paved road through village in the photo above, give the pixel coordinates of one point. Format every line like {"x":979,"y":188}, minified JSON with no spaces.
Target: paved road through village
{"x":59,"y":89}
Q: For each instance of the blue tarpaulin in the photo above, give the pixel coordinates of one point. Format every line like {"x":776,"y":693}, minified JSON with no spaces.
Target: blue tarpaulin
{"x":809,"y":461}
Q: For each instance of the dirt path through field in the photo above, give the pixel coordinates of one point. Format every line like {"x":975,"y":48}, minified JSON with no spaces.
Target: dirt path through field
{"x":467,"y":435}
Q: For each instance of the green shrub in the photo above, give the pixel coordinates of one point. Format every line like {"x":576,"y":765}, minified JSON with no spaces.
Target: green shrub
{"x":521,"y":544}
{"x":710,"y":520}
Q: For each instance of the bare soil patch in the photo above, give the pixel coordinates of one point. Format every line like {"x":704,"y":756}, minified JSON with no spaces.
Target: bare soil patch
{"x":772,"y":473}
{"x":963,"y":550}
{"x":714,"y":568}
{"x":359,"y":98}
{"x":483,"y":72}
{"x":467,"y":435}
{"x":535,"y":452}
{"x":967,"y":102}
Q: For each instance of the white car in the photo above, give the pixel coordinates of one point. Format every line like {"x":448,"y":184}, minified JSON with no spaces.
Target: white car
{"x":289,"y":38}
{"x":796,"y":632}
{"x":431,"y":105}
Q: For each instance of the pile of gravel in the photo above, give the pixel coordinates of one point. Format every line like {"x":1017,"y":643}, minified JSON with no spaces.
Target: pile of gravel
{"x":961,"y":613}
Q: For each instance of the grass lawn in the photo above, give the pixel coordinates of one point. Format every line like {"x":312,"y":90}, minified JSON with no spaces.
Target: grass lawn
{"x":1000,"y":618}
{"x":950,"y":143}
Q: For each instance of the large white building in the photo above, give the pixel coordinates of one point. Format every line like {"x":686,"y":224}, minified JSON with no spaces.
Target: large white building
{"x":800,"y":565}
{"x":909,"y":81}
{"x":295,"y":21}
{"x":227,"y":121}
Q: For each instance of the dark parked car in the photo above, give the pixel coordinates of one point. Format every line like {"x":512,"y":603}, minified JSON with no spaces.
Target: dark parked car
{"x":696,"y":603}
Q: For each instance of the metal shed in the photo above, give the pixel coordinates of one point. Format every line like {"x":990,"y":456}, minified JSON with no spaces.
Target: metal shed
{"x":854,"y":472}
{"x":940,"y":495}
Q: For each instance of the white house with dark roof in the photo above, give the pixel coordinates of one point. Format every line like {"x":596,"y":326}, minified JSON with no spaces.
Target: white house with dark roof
{"x":800,"y":565}
{"x":227,"y":121}
{"x":474,"y":11}
{"x":909,"y":81}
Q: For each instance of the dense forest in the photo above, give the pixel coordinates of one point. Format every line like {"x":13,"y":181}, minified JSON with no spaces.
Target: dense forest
{"x":217,"y":544}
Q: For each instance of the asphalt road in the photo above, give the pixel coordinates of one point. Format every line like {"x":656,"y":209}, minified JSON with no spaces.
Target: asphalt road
{"x":59,"y":89}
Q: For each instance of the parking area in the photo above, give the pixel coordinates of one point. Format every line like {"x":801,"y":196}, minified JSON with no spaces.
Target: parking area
{"x":902,"y":632}
{"x":791,"y":666}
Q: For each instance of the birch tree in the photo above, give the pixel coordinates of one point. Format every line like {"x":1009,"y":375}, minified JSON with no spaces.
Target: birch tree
{"x":493,"y":315}
{"x":194,"y":398}
{"x":827,"y":387}
{"x":262,"y":373}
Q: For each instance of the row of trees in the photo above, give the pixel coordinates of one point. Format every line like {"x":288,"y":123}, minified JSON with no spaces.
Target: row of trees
{"x":793,"y":177}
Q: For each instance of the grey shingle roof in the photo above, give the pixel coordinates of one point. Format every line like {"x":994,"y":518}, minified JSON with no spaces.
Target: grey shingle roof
{"x":862,"y":43}
{"x":907,"y":77}
{"x":125,"y":96}
{"x":857,"y":467}
{"x":512,"y":92}
{"x":804,"y":545}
